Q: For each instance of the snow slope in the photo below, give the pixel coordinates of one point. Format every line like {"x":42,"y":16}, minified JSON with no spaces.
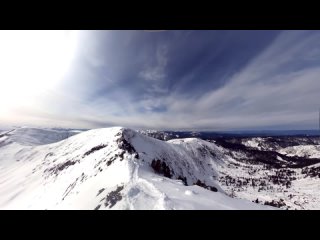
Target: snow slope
{"x":256,"y":142}
{"x":34,"y":136}
{"x":282,"y":186}
{"x":309,"y":151}
{"x":112,"y":168}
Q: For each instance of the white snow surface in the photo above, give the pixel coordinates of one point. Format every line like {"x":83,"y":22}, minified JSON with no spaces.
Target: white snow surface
{"x":34,"y":136}
{"x":256,"y":142}
{"x":309,"y":151}
{"x":109,"y":169}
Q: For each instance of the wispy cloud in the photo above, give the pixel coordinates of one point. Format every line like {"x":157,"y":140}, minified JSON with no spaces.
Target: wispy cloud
{"x":171,"y":80}
{"x":156,"y":72}
{"x":276,"y":88}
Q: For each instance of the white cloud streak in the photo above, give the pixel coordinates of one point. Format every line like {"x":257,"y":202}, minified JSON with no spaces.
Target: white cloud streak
{"x":278,"y":88}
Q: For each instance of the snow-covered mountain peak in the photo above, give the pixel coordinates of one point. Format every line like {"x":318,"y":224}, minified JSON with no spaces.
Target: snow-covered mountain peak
{"x":114,"y":168}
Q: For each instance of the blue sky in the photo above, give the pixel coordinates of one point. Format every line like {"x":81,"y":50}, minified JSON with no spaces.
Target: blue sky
{"x":204,"y":80}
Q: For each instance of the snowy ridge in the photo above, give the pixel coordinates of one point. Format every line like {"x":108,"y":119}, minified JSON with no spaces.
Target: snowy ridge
{"x":34,"y":136}
{"x":310,"y":151}
{"x":114,"y":168}
{"x":257,"y":143}
{"x":303,"y":147}
{"x":157,"y":134}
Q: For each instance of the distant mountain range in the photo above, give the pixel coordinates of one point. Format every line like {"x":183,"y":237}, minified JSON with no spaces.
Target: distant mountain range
{"x":213,"y":134}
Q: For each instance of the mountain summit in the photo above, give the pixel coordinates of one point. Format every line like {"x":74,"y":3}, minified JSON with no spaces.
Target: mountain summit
{"x":114,"y":168}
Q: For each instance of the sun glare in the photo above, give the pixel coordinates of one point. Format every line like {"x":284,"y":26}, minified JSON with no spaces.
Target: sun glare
{"x":32,"y":62}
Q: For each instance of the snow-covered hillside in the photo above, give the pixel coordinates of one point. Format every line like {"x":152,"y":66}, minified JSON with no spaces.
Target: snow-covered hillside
{"x":267,"y":171}
{"x":310,"y":151}
{"x":280,"y":143}
{"x":34,"y":136}
{"x":113,"y":168}
{"x":165,"y":136}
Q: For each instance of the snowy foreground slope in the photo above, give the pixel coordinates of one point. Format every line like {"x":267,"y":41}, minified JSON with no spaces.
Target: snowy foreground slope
{"x":113,"y":168}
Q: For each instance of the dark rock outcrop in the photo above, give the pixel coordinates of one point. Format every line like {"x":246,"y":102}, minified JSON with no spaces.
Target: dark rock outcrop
{"x":161,"y":167}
